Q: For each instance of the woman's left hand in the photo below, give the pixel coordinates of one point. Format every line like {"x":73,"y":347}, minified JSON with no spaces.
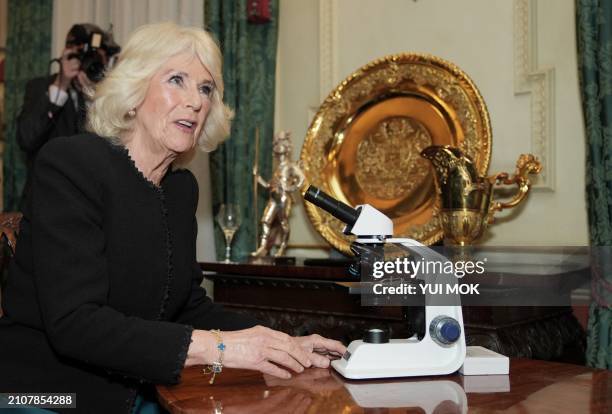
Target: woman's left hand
{"x":320,"y":350}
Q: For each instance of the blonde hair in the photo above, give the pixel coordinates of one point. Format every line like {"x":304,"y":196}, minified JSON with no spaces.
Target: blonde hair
{"x":125,"y":86}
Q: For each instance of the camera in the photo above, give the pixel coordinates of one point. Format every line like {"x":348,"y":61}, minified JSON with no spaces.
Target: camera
{"x":97,"y":49}
{"x":92,"y":62}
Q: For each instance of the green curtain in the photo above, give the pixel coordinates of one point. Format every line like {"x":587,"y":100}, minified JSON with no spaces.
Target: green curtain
{"x":28,"y":53}
{"x":249,"y":65}
{"x":594,"y":37}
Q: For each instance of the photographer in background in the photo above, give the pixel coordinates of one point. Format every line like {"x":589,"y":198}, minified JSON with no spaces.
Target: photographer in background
{"x":55,"y":105}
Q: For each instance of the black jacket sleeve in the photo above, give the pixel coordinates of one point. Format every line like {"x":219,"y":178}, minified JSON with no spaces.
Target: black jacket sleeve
{"x":202,"y":313}
{"x":37,"y":116}
{"x":72,"y":280}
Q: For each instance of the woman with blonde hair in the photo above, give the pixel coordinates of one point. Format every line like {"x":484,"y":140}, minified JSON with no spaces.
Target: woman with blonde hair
{"x":103,"y":299}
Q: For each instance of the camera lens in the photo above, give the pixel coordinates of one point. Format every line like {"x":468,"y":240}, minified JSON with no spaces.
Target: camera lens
{"x":95,"y":71}
{"x":93,"y":66}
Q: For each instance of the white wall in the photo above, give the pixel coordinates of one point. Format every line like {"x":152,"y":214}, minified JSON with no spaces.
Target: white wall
{"x":297,"y":95}
{"x":520,"y":53}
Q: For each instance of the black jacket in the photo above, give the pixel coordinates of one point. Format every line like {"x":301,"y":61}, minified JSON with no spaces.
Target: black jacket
{"x":40,"y":120}
{"x":104,"y":289}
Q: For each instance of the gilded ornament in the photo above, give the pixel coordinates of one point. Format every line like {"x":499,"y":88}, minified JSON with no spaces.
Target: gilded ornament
{"x":364,"y":142}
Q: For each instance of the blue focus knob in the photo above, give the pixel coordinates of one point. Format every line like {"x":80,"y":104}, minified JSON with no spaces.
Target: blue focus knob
{"x":444,"y":330}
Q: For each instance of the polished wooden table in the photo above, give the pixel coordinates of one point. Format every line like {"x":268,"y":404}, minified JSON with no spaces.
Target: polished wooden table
{"x":532,"y":387}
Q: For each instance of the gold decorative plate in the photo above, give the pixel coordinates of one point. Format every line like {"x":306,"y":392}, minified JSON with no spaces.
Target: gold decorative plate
{"x":363,"y":145}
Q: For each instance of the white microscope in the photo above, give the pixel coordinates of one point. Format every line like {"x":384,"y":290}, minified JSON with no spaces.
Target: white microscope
{"x":442,"y":349}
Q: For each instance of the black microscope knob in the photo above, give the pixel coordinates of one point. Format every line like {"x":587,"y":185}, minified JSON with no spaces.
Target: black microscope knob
{"x":376,"y":336}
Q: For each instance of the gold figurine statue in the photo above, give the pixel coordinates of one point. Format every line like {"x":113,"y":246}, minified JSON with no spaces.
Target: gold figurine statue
{"x":286,"y":179}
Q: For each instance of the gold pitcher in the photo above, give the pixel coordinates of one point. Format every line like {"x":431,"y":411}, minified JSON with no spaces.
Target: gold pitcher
{"x":467,"y":199}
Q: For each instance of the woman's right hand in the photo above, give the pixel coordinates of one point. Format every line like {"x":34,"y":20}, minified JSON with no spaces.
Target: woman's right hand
{"x":259,"y":348}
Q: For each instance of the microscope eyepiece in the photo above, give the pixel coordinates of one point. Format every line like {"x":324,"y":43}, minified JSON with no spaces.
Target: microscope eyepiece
{"x":338,"y":209}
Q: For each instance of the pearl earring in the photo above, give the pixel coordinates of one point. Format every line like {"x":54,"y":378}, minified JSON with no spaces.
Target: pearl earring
{"x":132,"y":113}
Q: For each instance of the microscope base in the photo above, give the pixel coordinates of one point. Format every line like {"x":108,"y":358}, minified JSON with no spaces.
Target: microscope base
{"x":400,"y":358}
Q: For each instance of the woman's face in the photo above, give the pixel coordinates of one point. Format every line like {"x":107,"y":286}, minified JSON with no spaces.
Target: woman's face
{"x":175,"y":107}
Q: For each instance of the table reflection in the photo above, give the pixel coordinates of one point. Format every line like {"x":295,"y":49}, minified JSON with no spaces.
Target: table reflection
{"x":322,"y":390}
{"x":438,"y":396}
{"x":532,"y":387}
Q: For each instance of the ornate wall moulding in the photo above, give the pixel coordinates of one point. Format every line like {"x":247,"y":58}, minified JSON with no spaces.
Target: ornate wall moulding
{"x":540,"y":84}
